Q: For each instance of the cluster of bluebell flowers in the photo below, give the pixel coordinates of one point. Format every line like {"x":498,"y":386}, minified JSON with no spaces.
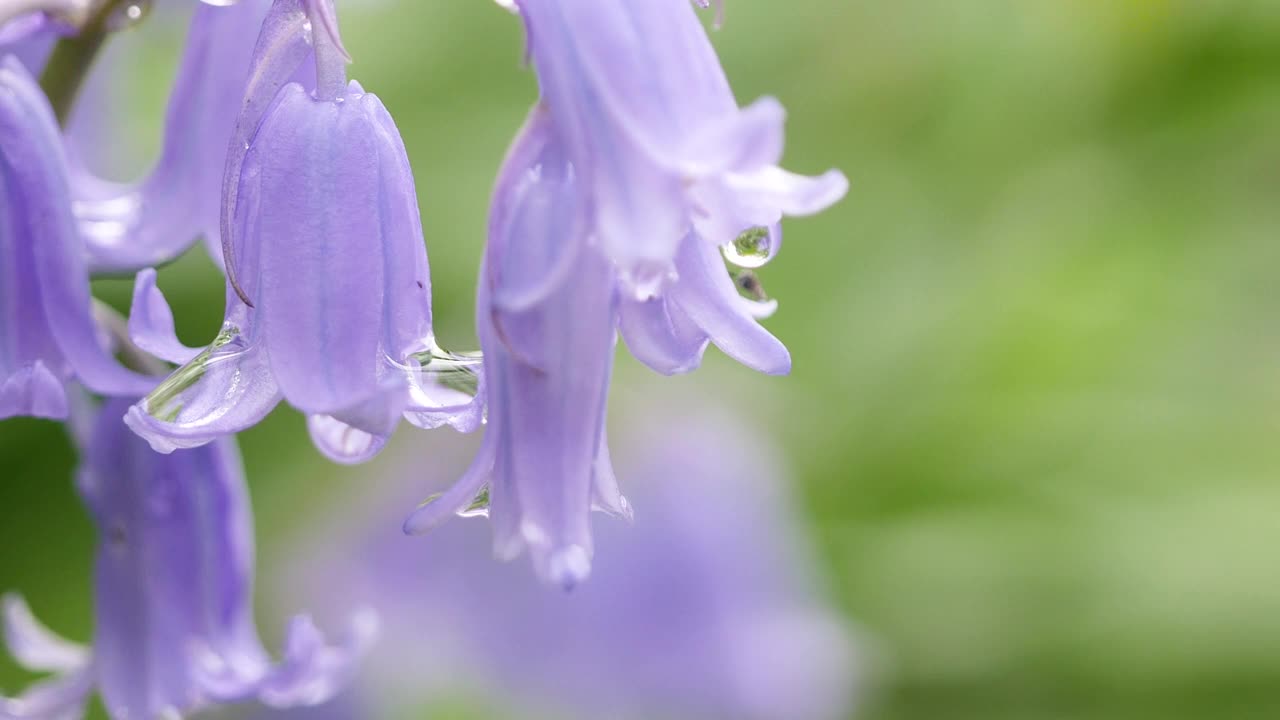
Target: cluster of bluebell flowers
{"x":635,"y":202}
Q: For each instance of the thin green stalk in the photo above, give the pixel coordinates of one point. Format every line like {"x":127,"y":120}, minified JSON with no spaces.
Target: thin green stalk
{"x":71,"y":59}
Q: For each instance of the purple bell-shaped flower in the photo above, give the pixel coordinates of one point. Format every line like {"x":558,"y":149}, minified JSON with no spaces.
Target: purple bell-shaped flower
{"x":173,"y":579}
{"x":328,"y":292}
{"x":48,"y":336}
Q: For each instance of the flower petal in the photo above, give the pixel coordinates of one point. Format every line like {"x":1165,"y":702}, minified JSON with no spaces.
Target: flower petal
{"x":793,"y":194}
{"x":439,"y":508}
{"x":321,"y":269}
{"x":33,"y":391}
{"x":128,"y":226}
{"x":281,"y":47}
{"x":708,"y":296}
{"x":60,"y":698}
{"x":748,"y":139}
{"x":225,"y":389}
{"x":524,"y":268}
{"x":31,"y":146}
{"x":151,"y":322}
{"x":33,"y":645}
{"x":312,"y":671}
{"x":341,"y":442}
{"x":660,"y":335}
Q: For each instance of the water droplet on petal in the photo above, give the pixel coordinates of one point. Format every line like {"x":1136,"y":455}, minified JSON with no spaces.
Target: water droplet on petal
{"x":752,"y":248}
{"x":479,"y":506}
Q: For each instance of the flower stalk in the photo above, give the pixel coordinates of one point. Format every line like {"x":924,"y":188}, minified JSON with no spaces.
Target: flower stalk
{"x":73,"y":56}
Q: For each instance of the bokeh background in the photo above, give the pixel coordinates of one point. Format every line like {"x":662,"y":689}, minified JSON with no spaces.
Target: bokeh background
{"x":1033,"y":419}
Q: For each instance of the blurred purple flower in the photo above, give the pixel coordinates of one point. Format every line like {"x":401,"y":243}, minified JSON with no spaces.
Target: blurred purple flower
{"x":174,"y":627}
{"x":706,"y":609}
{"x":327,"y":241}
{"x":47,"y":332}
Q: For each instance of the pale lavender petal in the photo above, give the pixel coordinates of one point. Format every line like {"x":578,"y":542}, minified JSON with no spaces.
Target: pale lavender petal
{"x":128,"y":226}
{"x":313,"y":672}
{"x":174,"y":624}
{"x":225,"y":389}
{"x":748,"y":139}
{"x":341,"y":442}
{"x":280,"y":48}
{"x":33,"y":645}
{"x":33,"y":391}
{"x":60,"y":698}
{"x":708,"y":296}
{"x":437,"y":509}
{"x":321,"y":275}
{"x":793,"y":194}
{"x":530,"y":266}
{"x":151,"y":322}
{"x":605,"y":493}
{"x":49,"y":294}
{"x":660,"y":335}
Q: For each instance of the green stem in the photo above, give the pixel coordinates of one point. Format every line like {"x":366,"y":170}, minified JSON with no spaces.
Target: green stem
{"x":71,"y":59}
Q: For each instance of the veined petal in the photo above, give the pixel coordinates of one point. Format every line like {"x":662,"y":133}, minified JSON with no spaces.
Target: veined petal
{"x":151,"y":322}
{"x":708,"y":296}
{"x":33,"y":645}
{"x":281,"y":47}
{"x":321,"y":268}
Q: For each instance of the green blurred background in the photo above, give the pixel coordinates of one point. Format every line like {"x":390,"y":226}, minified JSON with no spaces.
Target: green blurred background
{"x":1037,"y":378}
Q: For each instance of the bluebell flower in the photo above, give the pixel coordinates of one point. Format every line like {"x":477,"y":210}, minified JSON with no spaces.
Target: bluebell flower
{"x":173,"y":587}
{"x":48,"y":336}
{"x":709,"y":607}
{"x":543,"y":460}
{"x":326,"y":239}
{"x":634,"y":178}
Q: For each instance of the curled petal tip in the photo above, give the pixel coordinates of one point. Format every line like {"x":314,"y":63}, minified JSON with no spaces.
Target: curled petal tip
{"x":568,"y":567}
{"x":341,"y":442}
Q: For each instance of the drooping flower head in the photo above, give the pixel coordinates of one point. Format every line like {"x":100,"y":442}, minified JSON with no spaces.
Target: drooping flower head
{"x":173,"y":577}
{"x":633,"y":179}
{"x":546,"y":366}
{"x":707,"y":608}
{"x":328,"y":292}
{"x":47,"y":332}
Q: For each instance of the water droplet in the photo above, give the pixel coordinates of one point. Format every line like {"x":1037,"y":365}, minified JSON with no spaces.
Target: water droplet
{"x":752,"y":248}
{"x":479,"y":506}
{"x":127,"y":15}
{"x":456,"y":371}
